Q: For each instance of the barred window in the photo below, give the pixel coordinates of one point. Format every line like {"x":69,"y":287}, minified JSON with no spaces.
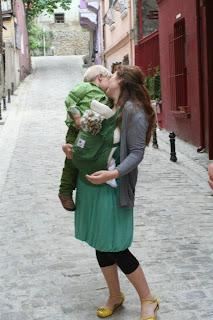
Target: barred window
{"x":178,"y":68}
{"x":59,"y":17}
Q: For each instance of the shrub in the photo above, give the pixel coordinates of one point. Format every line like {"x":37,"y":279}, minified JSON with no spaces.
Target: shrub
{"x":152,"y":83}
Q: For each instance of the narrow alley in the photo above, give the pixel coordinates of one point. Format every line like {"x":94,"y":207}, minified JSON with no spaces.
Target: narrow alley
{"x":45,"y":273}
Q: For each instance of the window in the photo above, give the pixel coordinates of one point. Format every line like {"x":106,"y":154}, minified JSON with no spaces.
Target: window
{"x":123,"y":5}
{"x":178,"y":69}
{"x":6,"y":5}
{"x":112,"y":17}
{"x":59,"y":17}
{"x":119,"y":5}
{"x":126,"y":59}
{"x":16,"y":35}
{"x":22,"y":43}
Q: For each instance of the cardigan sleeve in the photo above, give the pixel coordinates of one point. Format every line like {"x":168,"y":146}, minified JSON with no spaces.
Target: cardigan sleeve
{"x":136,"y":143}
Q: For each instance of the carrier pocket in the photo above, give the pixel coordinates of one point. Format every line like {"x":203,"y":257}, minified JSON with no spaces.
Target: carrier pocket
{"x":87,"y":146}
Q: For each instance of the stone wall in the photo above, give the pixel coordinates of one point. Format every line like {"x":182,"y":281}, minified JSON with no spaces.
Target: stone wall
{"x":72,"y":42}
{"x":149,"y":26}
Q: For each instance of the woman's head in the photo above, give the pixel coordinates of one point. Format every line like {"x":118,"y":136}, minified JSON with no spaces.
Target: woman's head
{"x":128,"y":84}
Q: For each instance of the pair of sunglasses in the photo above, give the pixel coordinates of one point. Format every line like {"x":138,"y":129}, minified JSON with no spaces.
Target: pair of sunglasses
{"x":116,"y":62}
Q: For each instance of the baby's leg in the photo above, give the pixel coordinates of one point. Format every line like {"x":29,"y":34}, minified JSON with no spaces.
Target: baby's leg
{"x":69,"y":174}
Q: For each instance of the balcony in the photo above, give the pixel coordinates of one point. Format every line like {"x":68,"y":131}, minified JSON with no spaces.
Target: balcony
{"x":88,"y":14}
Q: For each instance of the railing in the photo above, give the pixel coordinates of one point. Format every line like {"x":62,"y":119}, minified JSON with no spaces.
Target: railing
{"x":178,"y":73}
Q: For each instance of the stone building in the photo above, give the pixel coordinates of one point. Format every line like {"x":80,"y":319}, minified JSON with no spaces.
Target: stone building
{"x":68,"y":36}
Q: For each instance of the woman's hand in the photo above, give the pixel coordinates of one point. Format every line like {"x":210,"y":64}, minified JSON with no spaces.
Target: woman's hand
{"x":100,"y":177}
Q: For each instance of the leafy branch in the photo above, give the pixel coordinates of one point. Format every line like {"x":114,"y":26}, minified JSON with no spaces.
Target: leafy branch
{"x":35,"y":7}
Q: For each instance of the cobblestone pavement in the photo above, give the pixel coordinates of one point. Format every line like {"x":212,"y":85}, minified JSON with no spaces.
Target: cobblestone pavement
{"x":45,"y":273}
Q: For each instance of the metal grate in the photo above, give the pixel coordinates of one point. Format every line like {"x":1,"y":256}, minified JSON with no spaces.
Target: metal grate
{"x":59,"y":17}
{"x":177,"y":66}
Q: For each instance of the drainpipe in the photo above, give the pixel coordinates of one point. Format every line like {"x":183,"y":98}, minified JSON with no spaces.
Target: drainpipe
{"x":130,"y":31}
{"x":103,"y":31}
{"x":200,"y":76}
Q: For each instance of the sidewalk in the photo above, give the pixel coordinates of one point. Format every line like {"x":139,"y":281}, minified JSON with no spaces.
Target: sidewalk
{"x":187,"y":156}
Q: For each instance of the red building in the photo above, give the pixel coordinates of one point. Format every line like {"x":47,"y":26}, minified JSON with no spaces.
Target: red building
{"x":147,"y":55}
{"x":186,"y":62}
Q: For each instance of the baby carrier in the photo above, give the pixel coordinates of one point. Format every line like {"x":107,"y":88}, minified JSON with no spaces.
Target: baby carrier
{"x":97,"y":140}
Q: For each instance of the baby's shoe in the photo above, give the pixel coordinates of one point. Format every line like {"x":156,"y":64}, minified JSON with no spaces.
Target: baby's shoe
{"x":67,"y":202}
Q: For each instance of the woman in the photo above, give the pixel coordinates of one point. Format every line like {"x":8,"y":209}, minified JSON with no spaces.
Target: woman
{"x":104,"y":215}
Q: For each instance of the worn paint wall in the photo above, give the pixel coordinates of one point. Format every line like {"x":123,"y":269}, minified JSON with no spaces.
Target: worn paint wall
{"x":24,"y":55}
{"x":12,"y":73}
{"x":169,"y":13}
{"x":12,"y":66}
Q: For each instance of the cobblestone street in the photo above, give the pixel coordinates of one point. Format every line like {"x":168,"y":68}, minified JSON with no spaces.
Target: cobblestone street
{"x":45,"y":273}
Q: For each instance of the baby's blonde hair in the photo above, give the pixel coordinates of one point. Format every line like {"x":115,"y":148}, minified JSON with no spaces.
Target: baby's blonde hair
{"x":94,"y":71}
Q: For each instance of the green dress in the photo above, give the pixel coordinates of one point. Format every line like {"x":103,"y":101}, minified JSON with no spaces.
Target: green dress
{"x":98,"y":220}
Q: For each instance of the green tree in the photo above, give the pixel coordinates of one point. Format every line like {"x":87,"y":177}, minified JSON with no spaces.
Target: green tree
{"x":153,"y":83}
{"x":35,"y":7}
{"x":36,"y":39}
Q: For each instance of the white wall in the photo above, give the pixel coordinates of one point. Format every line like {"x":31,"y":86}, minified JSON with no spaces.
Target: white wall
{"x":47,"y":22}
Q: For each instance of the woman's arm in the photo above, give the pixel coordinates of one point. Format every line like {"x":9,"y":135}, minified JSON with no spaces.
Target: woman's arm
{"x":136,"y":143}
{"x":102,"y":176}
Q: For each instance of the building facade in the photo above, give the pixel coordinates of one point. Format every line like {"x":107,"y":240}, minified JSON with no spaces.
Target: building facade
{"x":89,"y":15}
{"x":117,"y":32}
{"x":68,"y":36}
{"x":185,"y":29}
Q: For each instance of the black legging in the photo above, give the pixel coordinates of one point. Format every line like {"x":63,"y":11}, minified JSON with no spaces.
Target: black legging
{"x":124,"y":259}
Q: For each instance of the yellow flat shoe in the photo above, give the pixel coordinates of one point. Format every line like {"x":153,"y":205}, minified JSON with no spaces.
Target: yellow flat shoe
{"x":104,"y":313}
{"x":156,"y":309}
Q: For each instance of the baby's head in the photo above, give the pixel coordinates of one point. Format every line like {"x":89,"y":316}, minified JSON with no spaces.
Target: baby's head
{"x":99,"y":75}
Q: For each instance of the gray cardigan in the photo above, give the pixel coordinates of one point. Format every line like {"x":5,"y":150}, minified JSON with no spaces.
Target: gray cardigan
{"x":134,"y":127}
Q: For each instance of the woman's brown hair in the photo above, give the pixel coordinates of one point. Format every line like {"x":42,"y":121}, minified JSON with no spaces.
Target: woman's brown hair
{"x":134,"y":90}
